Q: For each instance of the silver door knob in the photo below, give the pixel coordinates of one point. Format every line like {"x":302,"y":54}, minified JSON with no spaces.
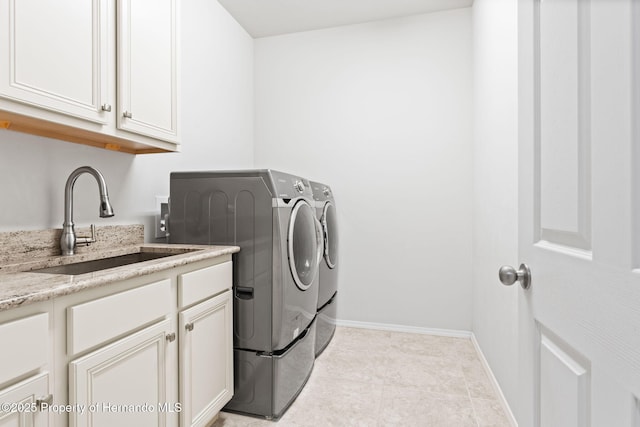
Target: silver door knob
{"x":127,"y":114}
{"x":509,"y":275}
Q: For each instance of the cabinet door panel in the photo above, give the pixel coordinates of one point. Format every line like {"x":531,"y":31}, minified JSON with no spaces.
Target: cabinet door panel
{"x":20,"y":355}
{"x":92,"y":323}
{"x":25,"y":393}
{"x":132,"y":371}
{"x":204,"y":283}
{"x":206,"y":359}
{"x":147,"y":72}
{"x":53,"y":55}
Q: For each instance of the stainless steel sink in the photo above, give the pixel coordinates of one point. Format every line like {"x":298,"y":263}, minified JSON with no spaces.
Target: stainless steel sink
{"x":104,"y":263}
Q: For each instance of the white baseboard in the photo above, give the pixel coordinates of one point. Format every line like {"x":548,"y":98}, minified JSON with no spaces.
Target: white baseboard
{"x":404,"y":328}
{"x":494,"y":382}
{"x":444,"y":333}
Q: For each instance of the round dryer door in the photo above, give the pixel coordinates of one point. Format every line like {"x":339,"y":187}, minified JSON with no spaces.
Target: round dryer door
{"x":303,"y":245}
{"x":330,"y":228}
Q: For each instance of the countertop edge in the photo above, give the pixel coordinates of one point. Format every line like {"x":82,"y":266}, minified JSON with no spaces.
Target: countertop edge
{"x":21,"y":288}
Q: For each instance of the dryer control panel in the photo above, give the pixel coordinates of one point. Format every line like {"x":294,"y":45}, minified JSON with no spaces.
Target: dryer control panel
{"x":321,"y":192}
{"x":290,"y":186}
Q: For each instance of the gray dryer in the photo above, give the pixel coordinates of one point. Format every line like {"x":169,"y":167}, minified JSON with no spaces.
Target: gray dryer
{"x":328,"y":274}
{"x":270,"y":215}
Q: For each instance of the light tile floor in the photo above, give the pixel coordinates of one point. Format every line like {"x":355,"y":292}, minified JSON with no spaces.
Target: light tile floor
{"x":375,"y":378}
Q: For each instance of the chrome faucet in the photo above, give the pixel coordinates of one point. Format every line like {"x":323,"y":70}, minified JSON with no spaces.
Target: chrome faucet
{"x":69,"y":240}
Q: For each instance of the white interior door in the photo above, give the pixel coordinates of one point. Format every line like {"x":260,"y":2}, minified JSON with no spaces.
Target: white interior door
{"x":579,"y":212}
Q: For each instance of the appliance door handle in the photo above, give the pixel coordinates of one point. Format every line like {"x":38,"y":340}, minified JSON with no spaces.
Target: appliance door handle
{"x":244,"y":292}
{"x":298,"y":340}
{"x":329,"y":209}
{"x":319,"y":242}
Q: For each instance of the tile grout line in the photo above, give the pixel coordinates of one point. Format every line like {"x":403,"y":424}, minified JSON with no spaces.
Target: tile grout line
{"x":473,"y":407}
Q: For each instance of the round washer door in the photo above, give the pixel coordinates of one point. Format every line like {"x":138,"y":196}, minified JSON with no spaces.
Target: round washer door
{"x":303,"y":245}
{"x":330,"y":228}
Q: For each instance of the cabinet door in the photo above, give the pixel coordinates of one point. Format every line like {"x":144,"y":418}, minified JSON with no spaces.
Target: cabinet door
{"x":53,"y":54}
{"x":147,"y":68}
{"x":24,"y":395}
{"x":19,"y":356}
{"x":206,"y":359}
{"x":124,"y":383}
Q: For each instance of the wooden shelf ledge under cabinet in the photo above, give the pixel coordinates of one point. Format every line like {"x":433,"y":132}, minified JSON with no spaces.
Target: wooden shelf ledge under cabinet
{"x":18,"y":123}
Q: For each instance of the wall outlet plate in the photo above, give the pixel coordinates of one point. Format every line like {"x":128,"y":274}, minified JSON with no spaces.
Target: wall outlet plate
{"x":162,"y":217}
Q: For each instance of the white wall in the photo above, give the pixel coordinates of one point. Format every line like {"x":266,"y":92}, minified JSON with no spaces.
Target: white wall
{"x":217,"y":130}
{"x":381,"y":112}
{"x":495,"y":195}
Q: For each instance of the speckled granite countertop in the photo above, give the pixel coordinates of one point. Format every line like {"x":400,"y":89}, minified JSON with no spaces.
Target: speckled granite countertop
{"x":19,"y":286}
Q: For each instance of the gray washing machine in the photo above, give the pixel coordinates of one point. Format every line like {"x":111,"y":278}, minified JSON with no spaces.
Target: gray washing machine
{"x":328,"y":274}
{"x":271,"y":216}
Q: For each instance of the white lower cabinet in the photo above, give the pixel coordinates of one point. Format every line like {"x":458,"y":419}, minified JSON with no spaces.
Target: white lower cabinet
{"x":124,"y":383}
{"x":24,"y":369}
{"x":206,"y":359}
{"x":22,"y":403}
{"x":176,"y":372}
{"x":151,"y":351}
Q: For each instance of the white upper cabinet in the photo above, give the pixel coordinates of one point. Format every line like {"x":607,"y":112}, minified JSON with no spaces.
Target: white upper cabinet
{"x":54,"y":55}
{"x":96,"y":72}
{"x":147,"y":74}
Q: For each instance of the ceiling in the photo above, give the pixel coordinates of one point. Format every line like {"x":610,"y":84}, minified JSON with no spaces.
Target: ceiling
{"x":262,"y":18}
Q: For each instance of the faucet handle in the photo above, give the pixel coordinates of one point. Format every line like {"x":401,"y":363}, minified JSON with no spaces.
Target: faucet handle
{"x":87,"y":240}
